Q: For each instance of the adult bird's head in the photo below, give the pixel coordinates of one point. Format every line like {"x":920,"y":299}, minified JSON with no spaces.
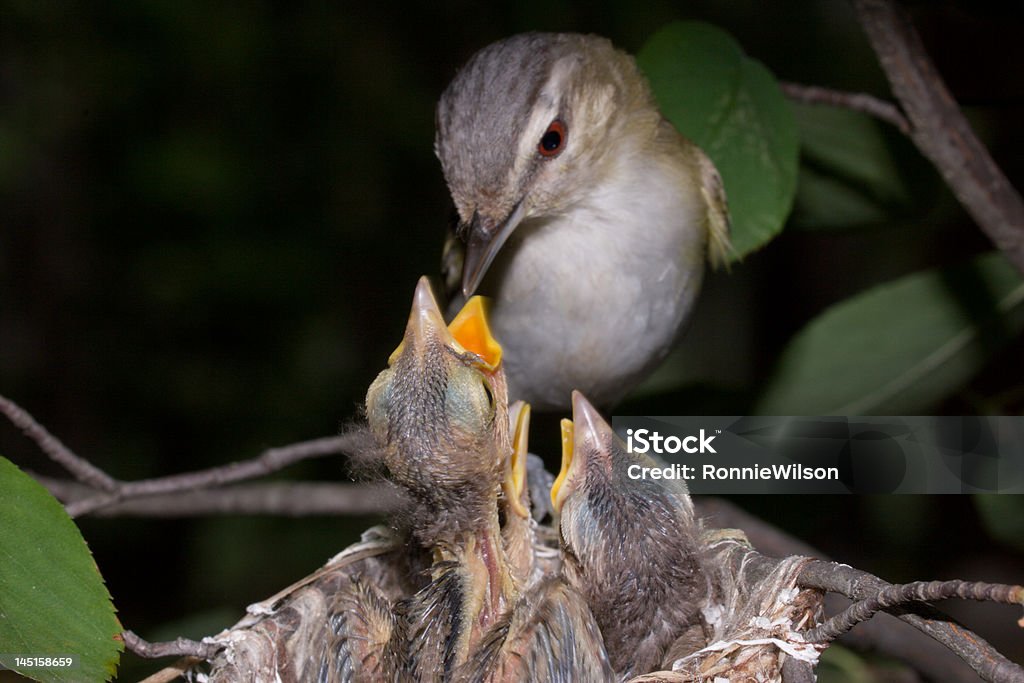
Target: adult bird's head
{"x":439,"y":412}
{"x":526,"y":129}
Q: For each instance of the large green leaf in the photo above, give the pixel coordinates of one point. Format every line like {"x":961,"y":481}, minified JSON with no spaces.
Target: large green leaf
{"x":900,"y":347}
{"x":848,"y":175}
{"x":52,"y":598}
{"x":731,"y":106}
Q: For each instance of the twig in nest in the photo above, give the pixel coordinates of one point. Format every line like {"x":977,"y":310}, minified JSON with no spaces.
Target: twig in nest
{"x":175,"y":648}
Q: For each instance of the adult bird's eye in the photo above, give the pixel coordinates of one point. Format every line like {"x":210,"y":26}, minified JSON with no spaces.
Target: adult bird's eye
{"x":553,"y":141}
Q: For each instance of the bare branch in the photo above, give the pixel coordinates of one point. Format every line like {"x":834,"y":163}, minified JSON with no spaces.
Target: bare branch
{"x":919,"y":591}
{"x":939,"y":129}
{"x":855,"y":101}
{"x":270,"y":460}
{"x":859,"y":585}
{"x":175,"y":648}
{"x":80,"y":469}
{"x":885,"y":633}
{"x":292,"y":499}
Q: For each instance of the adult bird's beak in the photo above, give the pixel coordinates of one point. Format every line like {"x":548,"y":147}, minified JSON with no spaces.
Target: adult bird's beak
{"x":486,"y":237}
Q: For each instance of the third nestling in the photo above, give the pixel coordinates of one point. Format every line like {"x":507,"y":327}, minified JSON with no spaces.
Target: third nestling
{"x":631,"y":547}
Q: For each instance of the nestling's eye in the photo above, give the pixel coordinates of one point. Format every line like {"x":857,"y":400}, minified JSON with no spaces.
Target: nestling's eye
{"x":553,"y":141}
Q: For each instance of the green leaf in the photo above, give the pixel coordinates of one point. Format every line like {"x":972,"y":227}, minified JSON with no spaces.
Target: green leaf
{"x":848,"y":175}
{"x":732,"y":107}
{"x":899,"y":348}
{"x":52,"y":598}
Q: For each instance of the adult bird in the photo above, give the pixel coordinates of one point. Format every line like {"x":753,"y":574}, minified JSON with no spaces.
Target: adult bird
{"x":631,"y":547}
{"x":584,"y":214}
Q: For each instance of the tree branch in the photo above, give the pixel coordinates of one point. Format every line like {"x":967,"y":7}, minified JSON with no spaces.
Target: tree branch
{"x":860,"y":585}
{"x":292,"y":499}
{"x":856,"y":101}
{"x":103,"y":491}
{"x":939,"y":129}
{"x":919,"y":591}
{"x":80,"y":469}
{"x":885,"y":634}
{"x":270,"y":460}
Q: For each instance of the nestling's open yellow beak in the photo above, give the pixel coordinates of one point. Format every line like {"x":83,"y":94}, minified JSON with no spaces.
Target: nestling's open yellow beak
{"x":515,"y":474}
{"x":471,"y":330}
{"x":558,"y":492}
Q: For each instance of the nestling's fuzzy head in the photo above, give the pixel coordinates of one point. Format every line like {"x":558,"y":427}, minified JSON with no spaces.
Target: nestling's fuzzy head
{"x":439,"y":414}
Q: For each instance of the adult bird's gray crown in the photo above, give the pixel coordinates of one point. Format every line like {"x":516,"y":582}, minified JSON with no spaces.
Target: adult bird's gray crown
{"x":585,"y":215}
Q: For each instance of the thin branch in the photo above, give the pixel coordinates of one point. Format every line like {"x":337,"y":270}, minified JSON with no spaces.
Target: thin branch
{"x":80,"y":469}
{"x":939,"y":129}
{"x":175,"y":648}
{"x":855,"y":101}
{"x":885,"y":634}
{"x":292,"y":499}
{"x":919,"y":591}
{"x":270,"y":460}
{"x":986,"y":661}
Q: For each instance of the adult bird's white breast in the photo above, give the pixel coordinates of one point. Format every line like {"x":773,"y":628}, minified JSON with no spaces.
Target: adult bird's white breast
{"x":593,"y":298}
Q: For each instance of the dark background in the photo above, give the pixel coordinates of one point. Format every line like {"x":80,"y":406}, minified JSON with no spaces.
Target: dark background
{"x":212,"y":217}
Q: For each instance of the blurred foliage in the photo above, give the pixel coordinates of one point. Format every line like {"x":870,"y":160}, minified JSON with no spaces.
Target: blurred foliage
{"x":848,"y":175}
{"x":899,"y":346}
{"x":212,"y":217}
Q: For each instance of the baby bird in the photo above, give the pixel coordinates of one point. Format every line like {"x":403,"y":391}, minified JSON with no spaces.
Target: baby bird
{"x":630,"y":546}
{"x":583,"y":213}
{"x":550,"y":636}
{"x":440,"y":415}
